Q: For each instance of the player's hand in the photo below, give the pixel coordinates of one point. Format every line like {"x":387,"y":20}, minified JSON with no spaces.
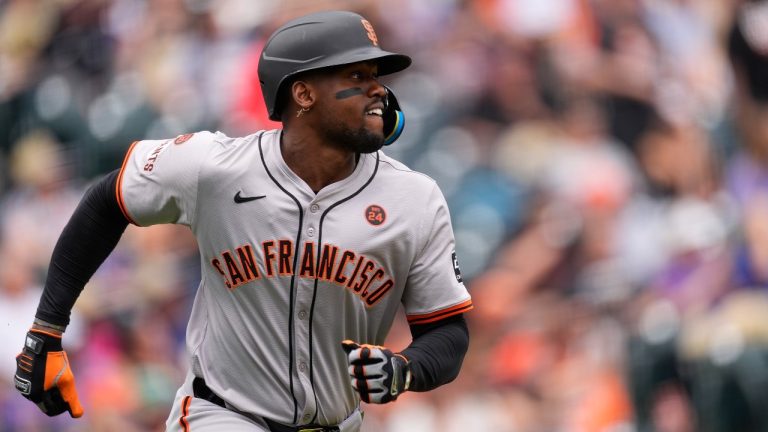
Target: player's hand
{"x":378,"y":375}
{"x":44,"y":377}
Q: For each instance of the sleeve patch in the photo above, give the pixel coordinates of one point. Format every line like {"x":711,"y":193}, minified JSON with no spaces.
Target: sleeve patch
{"x":181,"y":139}
{"x":456,"y":270}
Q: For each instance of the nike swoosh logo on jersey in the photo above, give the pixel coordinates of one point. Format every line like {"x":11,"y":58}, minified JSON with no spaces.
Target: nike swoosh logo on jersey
{"x":239,"y":199}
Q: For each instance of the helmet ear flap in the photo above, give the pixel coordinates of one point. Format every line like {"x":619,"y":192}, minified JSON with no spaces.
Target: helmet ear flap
{"x":394,"y":119}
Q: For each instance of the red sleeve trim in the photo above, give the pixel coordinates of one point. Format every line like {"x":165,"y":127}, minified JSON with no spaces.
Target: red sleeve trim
{"x":441,"y":314}
{"x":119,"y":185}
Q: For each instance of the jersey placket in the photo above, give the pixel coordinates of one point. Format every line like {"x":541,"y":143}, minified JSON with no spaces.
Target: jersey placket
{"x":313,"y":208}
{"x":303,"y":311}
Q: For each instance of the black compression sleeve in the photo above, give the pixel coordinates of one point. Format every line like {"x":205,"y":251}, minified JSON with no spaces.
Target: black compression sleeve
{"x":88,"y":238}
{"x":437,"y":352}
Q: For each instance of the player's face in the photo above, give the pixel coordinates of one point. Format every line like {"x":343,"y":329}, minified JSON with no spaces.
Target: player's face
{"x":352,"y":104}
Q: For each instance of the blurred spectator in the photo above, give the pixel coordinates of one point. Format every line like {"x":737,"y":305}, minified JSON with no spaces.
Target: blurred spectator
{"x":36,"y":210}
{"x":19,"y":293}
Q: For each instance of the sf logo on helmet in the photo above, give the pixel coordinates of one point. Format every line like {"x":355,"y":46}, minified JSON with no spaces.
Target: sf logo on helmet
{"x":371,"y":33}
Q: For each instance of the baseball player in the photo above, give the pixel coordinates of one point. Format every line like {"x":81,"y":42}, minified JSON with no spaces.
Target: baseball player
{"x":310,"y":238}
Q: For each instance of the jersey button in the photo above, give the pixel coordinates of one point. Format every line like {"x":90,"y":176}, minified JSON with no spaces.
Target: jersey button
{"x":302,"y":314}
{"x":314,"y":208}
{"x":302,"y":367}
{"x":310,"y":231}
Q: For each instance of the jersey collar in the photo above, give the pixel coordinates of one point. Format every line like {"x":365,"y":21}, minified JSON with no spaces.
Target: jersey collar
{"x":365,"y":168}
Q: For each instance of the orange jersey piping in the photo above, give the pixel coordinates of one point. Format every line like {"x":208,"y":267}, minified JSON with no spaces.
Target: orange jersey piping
{"x":441,"y":314}
{"x":119,"y":185}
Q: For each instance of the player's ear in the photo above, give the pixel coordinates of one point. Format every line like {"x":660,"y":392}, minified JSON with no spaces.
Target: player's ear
{"x":303,"y":94}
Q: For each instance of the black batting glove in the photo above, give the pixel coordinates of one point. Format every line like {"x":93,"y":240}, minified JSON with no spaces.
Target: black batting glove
{"x":376,"y":373}
{"x":43,"y":375}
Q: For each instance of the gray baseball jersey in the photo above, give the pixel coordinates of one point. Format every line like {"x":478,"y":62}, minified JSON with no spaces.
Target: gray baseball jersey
{"x":288,"y":274}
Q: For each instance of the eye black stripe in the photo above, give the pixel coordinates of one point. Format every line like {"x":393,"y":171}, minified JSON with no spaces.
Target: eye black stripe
{"x":347,"y":93}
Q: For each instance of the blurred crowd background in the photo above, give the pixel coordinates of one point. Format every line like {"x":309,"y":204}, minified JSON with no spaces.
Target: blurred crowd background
{"x":605,"y":162}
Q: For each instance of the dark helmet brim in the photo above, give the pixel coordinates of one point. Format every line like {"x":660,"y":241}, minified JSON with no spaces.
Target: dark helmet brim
{"x":388,"y":63}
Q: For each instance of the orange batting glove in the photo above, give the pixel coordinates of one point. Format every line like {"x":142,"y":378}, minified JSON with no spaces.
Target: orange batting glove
{"x":44,"y":377}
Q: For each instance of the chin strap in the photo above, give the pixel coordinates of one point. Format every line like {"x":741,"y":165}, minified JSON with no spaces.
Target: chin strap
{"x":394,"y":119}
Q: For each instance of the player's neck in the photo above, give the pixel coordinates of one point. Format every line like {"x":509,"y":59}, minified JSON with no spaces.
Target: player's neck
{"x":317,"y":164}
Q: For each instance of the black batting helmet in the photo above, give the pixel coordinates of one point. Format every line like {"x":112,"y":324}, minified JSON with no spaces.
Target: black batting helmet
{"x":316,"y":41}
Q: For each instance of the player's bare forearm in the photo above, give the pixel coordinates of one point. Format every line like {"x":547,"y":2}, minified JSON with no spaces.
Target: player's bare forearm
{"x":437,"y":352}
